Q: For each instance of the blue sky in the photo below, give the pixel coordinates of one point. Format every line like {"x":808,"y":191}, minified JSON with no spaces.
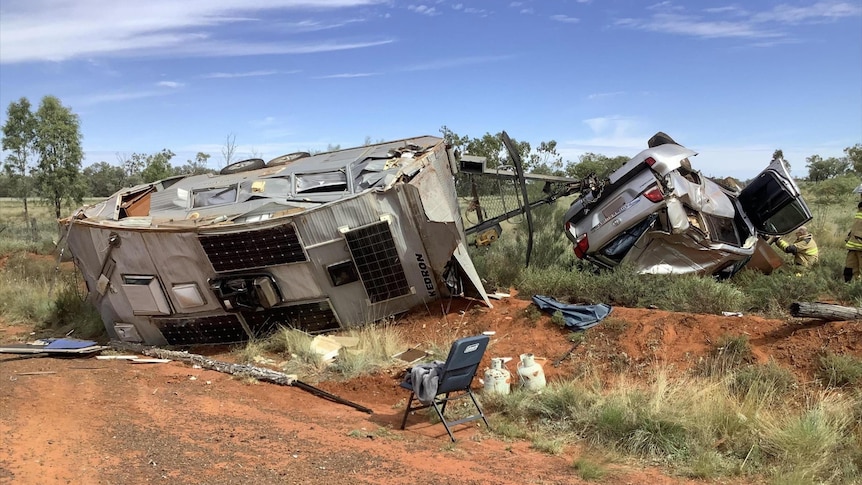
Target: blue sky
{"x":731,"y":80}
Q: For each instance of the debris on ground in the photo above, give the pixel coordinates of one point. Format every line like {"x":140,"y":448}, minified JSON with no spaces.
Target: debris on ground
{"x":577,"y":317}
{"x":49,"y":346}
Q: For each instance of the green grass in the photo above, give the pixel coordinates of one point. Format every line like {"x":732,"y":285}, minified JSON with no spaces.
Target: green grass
{"x":838,"y":370}
{"x":39,"y":234}
{"x":377,"y":343}
{"x":36,"y":291}
{"x":589,"y":469}
{"x":767,"y":382}
{"x":550,"y":446}
{"x":726,"y":355}
{"x":705,"y":427}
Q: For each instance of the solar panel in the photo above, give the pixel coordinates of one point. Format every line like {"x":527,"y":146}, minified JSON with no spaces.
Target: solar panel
{"x":376,"y":257}
{"x":253,"y":249}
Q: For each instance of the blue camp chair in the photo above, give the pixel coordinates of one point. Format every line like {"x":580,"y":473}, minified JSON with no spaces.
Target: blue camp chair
{"x":455,"y":376}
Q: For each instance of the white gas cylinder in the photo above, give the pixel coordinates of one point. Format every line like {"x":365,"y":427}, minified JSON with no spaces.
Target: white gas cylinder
{"x":531,"y":373}
{"x":497,"y":378}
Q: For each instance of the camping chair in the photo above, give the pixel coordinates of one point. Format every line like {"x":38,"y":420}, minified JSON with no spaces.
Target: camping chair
{"x":455,"y":377}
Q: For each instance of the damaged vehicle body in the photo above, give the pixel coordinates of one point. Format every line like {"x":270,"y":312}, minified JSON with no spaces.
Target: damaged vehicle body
{"x":339,"y":239}
{"x":314,"y":242}
{"x":663,"y":217}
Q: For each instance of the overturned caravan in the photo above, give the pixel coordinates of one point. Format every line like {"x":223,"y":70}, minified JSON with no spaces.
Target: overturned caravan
{"x":317,"y":243}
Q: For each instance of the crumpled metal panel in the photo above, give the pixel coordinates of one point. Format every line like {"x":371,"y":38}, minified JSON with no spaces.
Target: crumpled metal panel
{"x":706,"y":196}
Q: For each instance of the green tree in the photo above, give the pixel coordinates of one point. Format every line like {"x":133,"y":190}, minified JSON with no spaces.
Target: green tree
{"x":778,"y":154}
{"x":854,"y":157}
{"x":158,"y":166}
{"x":820,"y":169}
{"x":5,"y":185}
{"x":103,"y":179}
{"x":198,"y":166}
{"x":132,"y":165}
{"x":58,"y":145}
{"x":491,"y":147}
{"x":592,"y":163}
{"x":19,"y":138}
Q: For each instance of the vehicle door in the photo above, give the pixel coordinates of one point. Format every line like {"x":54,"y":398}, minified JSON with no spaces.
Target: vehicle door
{"x":773,"y":203}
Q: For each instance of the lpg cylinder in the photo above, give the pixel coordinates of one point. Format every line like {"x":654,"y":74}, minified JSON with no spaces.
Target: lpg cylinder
{"x":531,"y":373}
{"x":497,"y":377}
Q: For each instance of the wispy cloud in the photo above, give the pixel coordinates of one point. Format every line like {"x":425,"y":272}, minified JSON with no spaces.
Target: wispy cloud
{"x":818,"y":12}
{"x":423,"y":9}
{"x":170,"y":84}
{"x":767,"y":26}
{"x":348,"y":75}
{"x":311,"y":25}
{"x":565,"y":19}
{"x":606,"y":95}
{"x":57,"y":30}
{"x":231,"y":75}
{"x":118,"y":96}
{"x":611,"y":135}
{"x":455,"y":62}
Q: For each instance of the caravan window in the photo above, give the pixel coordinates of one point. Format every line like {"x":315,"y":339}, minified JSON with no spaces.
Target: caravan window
{"x":214,"y":196}
{"x":310,"y":183}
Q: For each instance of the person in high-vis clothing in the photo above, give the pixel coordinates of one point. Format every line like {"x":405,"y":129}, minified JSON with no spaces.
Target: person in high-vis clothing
{"x":804,"y":249}
{"x":853,"y":244}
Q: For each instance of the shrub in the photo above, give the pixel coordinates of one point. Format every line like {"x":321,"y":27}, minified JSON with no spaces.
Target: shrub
{"x":729,"y":353}
{"x":769,"y":381}
{"x":839,"y":370}
{"x":72,"y":312}
{"x":588,"y":469}
{"x":816,"y":443}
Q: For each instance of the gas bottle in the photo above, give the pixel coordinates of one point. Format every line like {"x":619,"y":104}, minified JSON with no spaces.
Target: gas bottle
{"x":497,"y":378}
{"x":531,"y":373}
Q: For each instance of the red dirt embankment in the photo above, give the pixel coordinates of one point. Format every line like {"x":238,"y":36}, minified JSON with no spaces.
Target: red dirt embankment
{"x":86,"y":421}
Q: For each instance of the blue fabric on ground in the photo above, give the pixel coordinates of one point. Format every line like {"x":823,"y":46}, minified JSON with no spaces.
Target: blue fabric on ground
{"x":576,"y":317}
{"x":69,"y":343}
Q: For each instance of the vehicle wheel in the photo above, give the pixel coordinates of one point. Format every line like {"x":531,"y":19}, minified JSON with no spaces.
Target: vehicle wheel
{"x":243,"y":166}
{"x":285,"y":159}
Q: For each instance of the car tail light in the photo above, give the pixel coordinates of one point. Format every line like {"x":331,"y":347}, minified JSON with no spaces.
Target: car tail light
{"x":582,"y":246}
{"x":654,"y":194}
{"x":650,"y":161}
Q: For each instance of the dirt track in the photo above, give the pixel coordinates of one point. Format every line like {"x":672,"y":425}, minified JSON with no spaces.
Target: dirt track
{"x":112,"y":422}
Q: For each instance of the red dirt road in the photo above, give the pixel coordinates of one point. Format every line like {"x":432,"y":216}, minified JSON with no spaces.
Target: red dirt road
{"x":88,"y":421}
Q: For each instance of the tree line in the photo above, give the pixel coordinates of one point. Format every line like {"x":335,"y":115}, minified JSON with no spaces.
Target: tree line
{"x":44,"y":157}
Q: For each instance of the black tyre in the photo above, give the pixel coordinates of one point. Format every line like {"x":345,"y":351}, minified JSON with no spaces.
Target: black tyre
{"x":285,"y":159}
{"x":243,"y":166}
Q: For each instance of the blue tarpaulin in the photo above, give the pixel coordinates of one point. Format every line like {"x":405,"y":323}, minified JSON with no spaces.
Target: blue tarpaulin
{"x":576,"y":317}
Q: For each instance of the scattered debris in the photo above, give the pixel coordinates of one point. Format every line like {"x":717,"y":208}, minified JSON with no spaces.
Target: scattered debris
{"x":579,"y":317}
{"x":245,"y":370}
{"x":732,"y":314}
{"x":567,"y":354}
{"x":50,"y":346}
{"x":117,"y":357}
{"x":36,"y":373}
{"x":327,"y":346}
{"x":411,"y":355}
{"x":149,"y":361}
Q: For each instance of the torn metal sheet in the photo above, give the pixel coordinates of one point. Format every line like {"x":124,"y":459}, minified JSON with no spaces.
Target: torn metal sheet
{"x":317,"y":242}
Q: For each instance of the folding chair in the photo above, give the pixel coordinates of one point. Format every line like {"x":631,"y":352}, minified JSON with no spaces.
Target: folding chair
{"x":455,"y":377}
